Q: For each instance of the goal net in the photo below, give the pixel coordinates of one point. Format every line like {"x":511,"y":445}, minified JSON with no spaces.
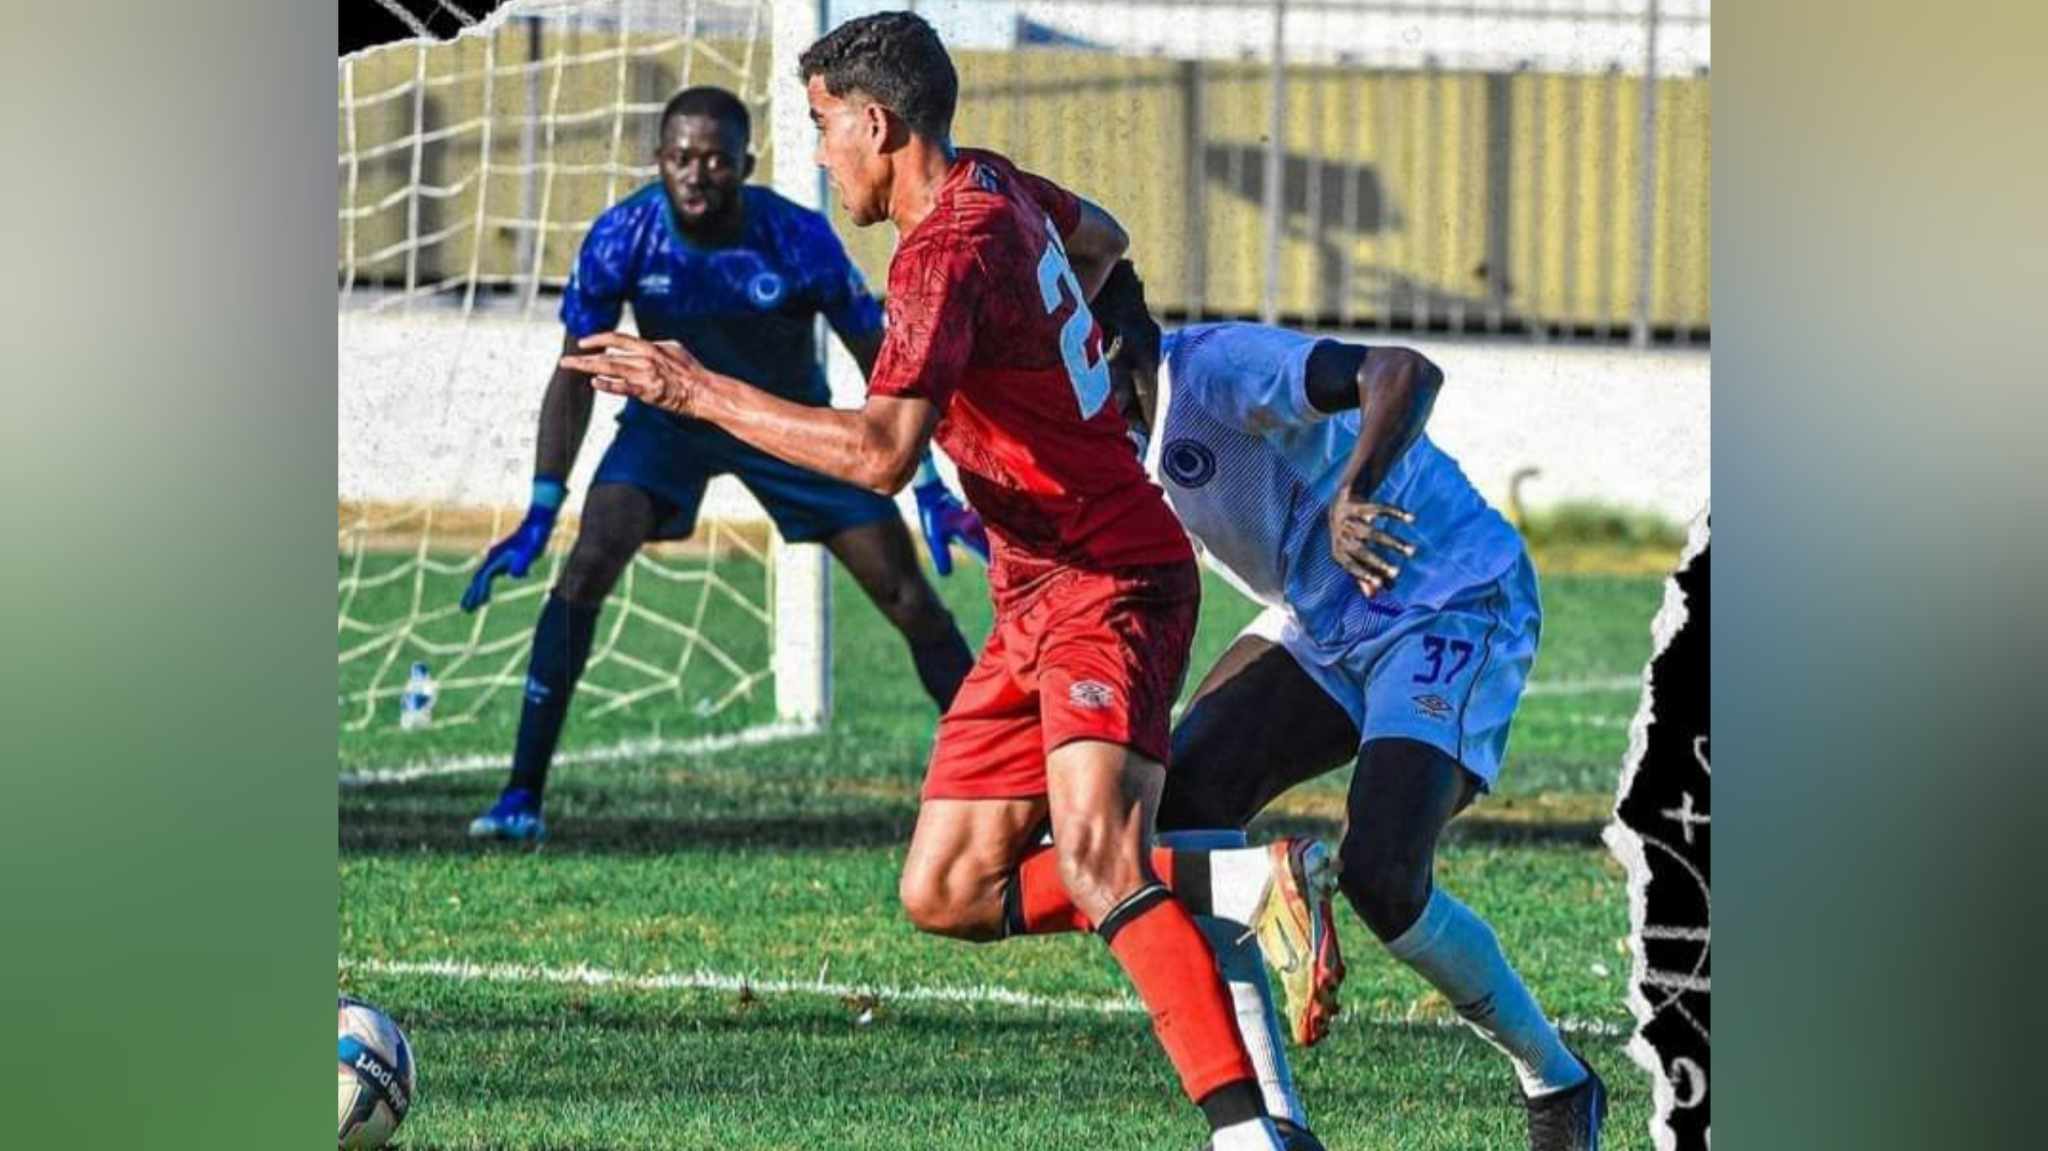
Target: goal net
{"x":469,"y":171}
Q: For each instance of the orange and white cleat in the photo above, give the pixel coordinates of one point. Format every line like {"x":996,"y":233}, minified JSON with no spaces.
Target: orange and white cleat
{"x":1298,"y":935}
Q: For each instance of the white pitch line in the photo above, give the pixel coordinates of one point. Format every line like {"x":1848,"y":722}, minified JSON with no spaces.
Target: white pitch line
{"x":1612,"y":683}
{"x":626,"y":751}
{"x":583,"y":975}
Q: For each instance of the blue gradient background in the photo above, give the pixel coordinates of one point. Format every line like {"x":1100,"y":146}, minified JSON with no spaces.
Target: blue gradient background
{"x":167,"y":830}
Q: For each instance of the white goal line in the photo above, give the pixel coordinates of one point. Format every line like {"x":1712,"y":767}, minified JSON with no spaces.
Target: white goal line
{"x":583,"y":975}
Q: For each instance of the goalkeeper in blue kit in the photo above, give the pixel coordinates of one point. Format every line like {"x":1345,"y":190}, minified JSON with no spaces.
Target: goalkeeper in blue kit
{"x":738,"y":274}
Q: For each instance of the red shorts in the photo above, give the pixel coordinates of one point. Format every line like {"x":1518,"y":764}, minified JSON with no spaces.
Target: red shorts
{"x":1073,"y":655}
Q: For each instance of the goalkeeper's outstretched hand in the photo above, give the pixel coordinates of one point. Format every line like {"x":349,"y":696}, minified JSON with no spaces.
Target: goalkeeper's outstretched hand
{"x":514,"y":554}
{"x":945,"y":519}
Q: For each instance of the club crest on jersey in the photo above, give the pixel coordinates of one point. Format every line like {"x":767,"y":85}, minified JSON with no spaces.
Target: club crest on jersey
{"x":1090,"y":694}
{"x":766,"y":289}
{"x":1188,"y":463}
{"x":1433,"y":706}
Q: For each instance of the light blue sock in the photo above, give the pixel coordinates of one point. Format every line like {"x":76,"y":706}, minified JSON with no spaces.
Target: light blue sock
{"x":1460,"y":956}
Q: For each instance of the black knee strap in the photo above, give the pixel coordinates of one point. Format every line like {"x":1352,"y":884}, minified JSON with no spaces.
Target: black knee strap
{"x":1135,"y":904}
{"x":1191,"y":882}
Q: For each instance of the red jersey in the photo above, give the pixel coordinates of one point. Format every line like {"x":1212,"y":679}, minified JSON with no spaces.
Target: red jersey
{"x":987,"y":321}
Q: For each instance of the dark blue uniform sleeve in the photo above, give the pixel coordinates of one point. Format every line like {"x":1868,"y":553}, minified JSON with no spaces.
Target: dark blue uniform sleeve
{"x":596,"y":295}
{"x":854,"y":312}
{"x":843,"y":294}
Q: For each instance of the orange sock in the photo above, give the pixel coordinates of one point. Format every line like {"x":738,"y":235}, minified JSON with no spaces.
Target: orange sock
{"x":1037,"y":902}
{"x":1174,"y":972}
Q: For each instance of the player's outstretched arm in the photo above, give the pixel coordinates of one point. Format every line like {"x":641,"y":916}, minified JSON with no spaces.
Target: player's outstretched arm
{"x":941,"y":517}
{"x":876,"y":446}
{"x":1394,"y":390}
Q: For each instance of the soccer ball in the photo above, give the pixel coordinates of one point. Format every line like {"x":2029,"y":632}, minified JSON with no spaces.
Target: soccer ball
{"x":376,"y":1076}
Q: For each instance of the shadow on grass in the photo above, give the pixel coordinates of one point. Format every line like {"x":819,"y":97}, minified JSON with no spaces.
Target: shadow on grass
{"x":434,"y":817}
{"x":373,"y":828}
{"x":1475,"y":827}
{"x":738,"y":810}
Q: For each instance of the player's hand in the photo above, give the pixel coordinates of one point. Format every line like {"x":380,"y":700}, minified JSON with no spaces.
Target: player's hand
{"x":664,"y":375}
{"x":511,"y":556}
{"x":1362,"y":546}
{"x":945,"y":519}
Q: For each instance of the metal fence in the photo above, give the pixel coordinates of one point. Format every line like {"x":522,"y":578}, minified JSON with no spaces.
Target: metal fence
{"x":1485,"y":166}
{"x":1540,"y":167}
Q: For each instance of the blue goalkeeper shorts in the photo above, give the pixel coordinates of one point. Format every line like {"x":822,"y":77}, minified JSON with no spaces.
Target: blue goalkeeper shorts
{"x":675,"y":458}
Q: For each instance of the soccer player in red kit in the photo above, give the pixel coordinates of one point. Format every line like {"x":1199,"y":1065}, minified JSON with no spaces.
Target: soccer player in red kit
{"x":1065,"y":717}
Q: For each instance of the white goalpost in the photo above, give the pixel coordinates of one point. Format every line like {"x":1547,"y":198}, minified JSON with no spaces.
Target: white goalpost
{"x":468,"y":174}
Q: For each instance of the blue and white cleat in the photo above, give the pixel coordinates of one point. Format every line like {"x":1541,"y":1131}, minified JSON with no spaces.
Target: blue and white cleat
{"x":515,"y":817}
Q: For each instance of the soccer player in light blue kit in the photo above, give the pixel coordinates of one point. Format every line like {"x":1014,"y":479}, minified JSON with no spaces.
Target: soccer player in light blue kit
{"x":1401,"y":620}
{"x":738,"y":274}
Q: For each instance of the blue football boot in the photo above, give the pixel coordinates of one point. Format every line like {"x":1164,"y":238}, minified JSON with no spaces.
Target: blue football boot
{"x":515,"y":818}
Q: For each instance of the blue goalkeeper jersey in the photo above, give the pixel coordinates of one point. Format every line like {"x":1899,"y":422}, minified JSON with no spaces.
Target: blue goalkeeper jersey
{"x":745,"y":310}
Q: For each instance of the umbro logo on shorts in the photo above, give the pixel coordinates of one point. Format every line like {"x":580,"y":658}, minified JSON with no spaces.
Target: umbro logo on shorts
{"x":1433,"y":706}
{"x":1091,"y":695}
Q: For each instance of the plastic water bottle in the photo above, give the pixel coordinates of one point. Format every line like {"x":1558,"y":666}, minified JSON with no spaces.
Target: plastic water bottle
{"x":416,"y":703}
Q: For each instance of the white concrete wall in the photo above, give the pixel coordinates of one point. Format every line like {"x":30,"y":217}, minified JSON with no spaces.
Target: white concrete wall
{"x":431,"y":410}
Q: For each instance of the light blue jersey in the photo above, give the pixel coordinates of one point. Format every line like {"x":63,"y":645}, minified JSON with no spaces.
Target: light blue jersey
{"x":1250,"y":467}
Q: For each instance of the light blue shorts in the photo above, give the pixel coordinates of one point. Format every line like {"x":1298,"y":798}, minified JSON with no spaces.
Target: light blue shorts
{"x":1450,"y":677}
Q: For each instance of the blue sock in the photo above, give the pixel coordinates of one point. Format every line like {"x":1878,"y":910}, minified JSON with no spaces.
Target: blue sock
{"x":561,"y":644}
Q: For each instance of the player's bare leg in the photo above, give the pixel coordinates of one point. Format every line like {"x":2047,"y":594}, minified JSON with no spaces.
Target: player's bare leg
{"x":1102,"y":798}
{"x":960,"y":860}
{"x":970,"y":862}
{"x":883,"y":560}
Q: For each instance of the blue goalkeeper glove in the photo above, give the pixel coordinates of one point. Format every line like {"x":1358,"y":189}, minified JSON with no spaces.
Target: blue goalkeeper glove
{"x":945,"y":519}
{"x":514,"y":554}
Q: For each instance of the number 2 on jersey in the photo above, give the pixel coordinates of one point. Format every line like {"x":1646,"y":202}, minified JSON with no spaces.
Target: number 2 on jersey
{"x":1091,"y":380}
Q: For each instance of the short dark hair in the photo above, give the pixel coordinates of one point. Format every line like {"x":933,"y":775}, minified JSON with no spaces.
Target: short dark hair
{"x":1121,"y":310}
{"x":709,"y":100}
{"x":895,"y":59}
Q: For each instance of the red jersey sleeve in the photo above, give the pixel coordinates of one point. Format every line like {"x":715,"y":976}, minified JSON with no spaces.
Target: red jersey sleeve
{"x":933,"y":296}
{"x":1063,"y":206}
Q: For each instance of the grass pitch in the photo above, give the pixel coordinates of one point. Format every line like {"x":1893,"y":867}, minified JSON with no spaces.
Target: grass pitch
{"x":708,"y":952}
